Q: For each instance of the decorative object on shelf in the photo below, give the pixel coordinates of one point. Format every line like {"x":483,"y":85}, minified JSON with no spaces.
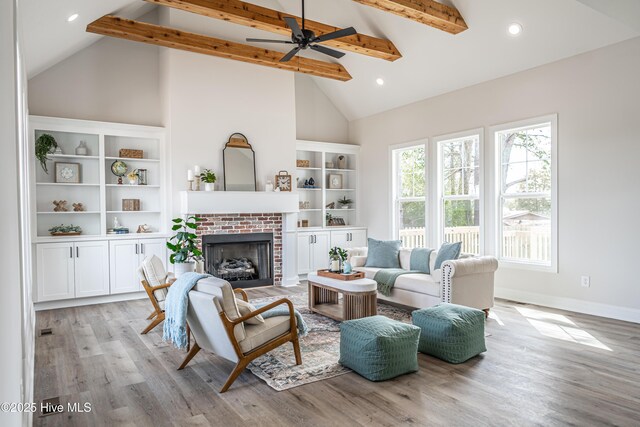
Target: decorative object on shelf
{"x":119,"y":230}
{"x":331,"y":205}
{"x":129,"y":153}
{"x":239,"y":162}
{"x":335,"y":181}
{"x":119,"y":169}
{"x":344,"y":202}
{"x":300,"y":205}
{"x":133,"y":177}
{"x":303,"y":163}
{"x":60,"y":206}
{"x":130,"y":204}
{"x":67,"y":172}
{"x":328,"y":165}
{"x":81,"y":149}
{"x":65,"y":230}
{"x":58,"y":151}
{"x":45,"y":144}
{"x":283,"y":181}
{"x":342,"y":162}
{"x":268,"y":187}
{"x":196,"y":177}
{"x":304,"y":223}
{"x":144,"y":228}
{"x":334,"y":220}
{"x":209,"y":178}
{"x":312,"y":182}
{"x":142,"y":176}
{"x":78,"y":207}
{"x":190,"y":178}
{"x":337,"y":256}
{"x":183,"y":245}
{"x":116,"y":223}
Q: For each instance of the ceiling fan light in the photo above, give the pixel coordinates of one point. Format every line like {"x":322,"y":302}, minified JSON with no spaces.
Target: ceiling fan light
{"x":72,"y":17}
{"x":380,"y":81}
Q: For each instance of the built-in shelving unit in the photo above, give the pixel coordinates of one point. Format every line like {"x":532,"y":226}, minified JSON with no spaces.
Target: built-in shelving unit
{"x":327,"y":161}
{"x":98,"y":189}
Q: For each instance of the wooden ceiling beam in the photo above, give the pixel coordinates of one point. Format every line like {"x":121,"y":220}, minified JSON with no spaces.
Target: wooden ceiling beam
{"x":168,"y":37}
{"x":262,"y":18}
{"x":428,"y":12}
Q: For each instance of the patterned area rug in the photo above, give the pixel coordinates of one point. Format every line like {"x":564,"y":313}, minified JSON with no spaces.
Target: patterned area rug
{"x":320,"y":348}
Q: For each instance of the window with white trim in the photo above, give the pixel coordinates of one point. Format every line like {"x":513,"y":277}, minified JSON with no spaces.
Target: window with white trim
{"x":526,"y":193}
{"x":460,"y":178}
{"x":409,"y":195}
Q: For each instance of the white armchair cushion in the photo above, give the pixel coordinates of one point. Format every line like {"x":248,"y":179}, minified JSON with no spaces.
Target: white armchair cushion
{"x":256,"y":335}
{"x":154,"y":271}
{"x":245,"y":308}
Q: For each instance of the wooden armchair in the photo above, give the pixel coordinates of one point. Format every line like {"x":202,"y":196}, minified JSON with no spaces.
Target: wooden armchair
{"x":156,"y":282}
{"x":218,"y":327}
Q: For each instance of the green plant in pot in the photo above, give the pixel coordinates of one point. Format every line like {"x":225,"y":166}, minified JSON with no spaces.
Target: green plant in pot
{"x":209,"y":178}
{"x":45,"y":145}
{"x":337,"y":256}
{"x":185,"y":251}
{"x":344,"y":202}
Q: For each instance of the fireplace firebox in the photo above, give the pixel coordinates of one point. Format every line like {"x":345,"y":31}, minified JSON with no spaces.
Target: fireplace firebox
{"x":244,"y":260}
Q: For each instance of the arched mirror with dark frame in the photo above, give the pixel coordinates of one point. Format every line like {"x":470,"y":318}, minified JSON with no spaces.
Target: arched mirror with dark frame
{"x":239,"y":164}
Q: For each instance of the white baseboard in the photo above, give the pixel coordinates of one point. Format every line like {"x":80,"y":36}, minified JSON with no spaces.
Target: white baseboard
{"x":579,"y":306}
{"x":290,"y":281}
{"x":50,"y":305}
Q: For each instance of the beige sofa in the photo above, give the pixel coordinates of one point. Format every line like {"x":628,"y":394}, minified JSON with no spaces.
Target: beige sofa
{"x":465,"y":281}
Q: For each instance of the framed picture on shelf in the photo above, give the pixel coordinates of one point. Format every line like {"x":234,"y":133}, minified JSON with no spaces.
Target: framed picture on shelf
{"x":335,"y":181}
{"x":67,"y":172}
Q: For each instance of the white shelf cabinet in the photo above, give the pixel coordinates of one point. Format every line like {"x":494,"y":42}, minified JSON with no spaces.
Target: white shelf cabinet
{"x":126,"y":256}
{"x":349,"y":238}
{"x":313,"y":251}
{"x":72,"y":270}
{"x":95,"y":264}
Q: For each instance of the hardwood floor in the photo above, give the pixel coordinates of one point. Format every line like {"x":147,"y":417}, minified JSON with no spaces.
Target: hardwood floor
{"x":543,"y":367}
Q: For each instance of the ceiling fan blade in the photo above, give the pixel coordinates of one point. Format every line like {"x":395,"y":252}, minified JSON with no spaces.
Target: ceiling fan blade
{"x":327,"y":51}
{"x":291,"y":54}
{"x":295,"y":28}
{"x":335,"y":35}
{"x":270,"y":41}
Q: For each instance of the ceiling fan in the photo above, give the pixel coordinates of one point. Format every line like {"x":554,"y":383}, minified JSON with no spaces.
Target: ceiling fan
{"x":306,"y":39}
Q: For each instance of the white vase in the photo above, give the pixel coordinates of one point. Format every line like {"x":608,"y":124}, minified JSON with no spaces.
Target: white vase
{"x":179,"y":268}
{"x":209,"y":186}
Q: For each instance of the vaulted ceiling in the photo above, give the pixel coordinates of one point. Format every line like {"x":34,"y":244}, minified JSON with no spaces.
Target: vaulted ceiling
{"x":433,"y":62}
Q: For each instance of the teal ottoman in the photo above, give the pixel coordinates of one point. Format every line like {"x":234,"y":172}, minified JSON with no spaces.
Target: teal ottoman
{"x":453,"y":333}
{"x":379,"y":348}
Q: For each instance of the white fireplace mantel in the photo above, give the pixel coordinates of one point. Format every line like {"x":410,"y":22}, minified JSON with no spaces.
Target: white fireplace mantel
{"x":226,"y":202}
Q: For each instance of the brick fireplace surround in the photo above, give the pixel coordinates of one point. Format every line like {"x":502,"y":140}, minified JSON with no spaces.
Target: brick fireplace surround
{"x":241,"y":223}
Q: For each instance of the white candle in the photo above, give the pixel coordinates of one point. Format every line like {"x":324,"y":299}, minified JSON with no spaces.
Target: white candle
{"x":189,"y":175}
{"x":196,"y":170}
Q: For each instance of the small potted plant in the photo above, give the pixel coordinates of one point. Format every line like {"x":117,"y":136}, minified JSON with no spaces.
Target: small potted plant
{"x":133,"y":177}
{"x":185,"y":251}
{"x":345,"y":203}
{"x":209,"y":178}
{"x":337,"y":256}
{"x":65,"y":230}
{"x":45,"y":145}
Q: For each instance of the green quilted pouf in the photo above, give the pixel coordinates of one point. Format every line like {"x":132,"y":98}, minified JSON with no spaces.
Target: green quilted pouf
{"x":379,"y":348}
{"x":453,"y":333}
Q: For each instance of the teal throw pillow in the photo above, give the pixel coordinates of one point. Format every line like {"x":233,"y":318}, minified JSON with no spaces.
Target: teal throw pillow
{"x":447,"y":252}
{"x":383,"y":254}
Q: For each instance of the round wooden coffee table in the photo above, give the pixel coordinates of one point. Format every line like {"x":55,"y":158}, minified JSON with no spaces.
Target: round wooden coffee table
{"x":359,"y":297}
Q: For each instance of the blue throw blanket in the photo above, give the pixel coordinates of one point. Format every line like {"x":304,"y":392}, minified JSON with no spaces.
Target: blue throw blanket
{"x":175,"y":309}
{"x":283,"y":310}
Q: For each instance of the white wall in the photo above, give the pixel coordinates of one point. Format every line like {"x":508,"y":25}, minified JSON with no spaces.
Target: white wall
{"x":596,"y":97}
{"x":317,"y":119}
{"x":208,"y":99}
{"x":16,"y":313}
{"x":112,"y":80}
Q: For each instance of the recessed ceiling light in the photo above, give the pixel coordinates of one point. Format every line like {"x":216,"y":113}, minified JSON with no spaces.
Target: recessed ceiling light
{"x":379,"y":81}
{"x":515,"y":29}
{"x":72,"y":17}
